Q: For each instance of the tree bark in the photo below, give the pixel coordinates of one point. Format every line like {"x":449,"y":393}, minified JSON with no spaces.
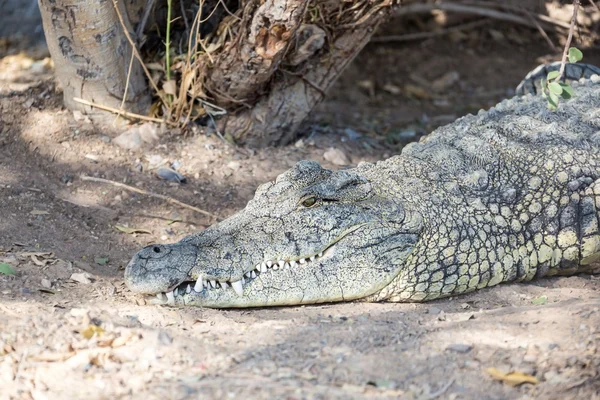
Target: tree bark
{"x":284,"y":88}
{"x":242,"y":72}
{"x":92,"y":54}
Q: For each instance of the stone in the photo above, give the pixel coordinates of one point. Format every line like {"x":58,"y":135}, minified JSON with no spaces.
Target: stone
{"x":459,"y":348}
{"x":129,"y":140}
{"x":336,"y":157}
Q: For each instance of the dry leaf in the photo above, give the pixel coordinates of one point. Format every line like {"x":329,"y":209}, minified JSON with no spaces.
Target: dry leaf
{"x":126,"y":229}
{"x":123,"y":339}
{"x":52,"y":357}
{"x":81,"y":277}
{"x":170,"y":87}
{"x":415,"y":91}
{"x":92,"y":330}
{"x":39,"y":212}
{"x":514,"y":378}
{"x":44,"y":254}
{"x":39,"y":263}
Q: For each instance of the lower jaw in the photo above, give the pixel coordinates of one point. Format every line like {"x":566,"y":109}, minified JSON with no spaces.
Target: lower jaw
{"x":200,"y":291}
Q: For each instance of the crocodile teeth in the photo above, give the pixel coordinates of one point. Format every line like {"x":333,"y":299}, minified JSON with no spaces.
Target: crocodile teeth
{"x":188,"y":289}
{"x":213,"y":283}
{"x":253,"y":274}
{"x":293,"y":263}
{"x":175,"y":292}
{"x":312,"y":258}
{"x":321,"y":254}
{"x":302,"y":260}
{"x":161,"y":297}
{"x":269,"y":264}
{"x":170,"y":298}
{"x":224,"y":284}
{"x":263,"y":267}
{"x":238,"y":287}
{"x":286,"y":265}
{"x":275,"y":267}
{"x":281,"y":263}
{"x":199,"y":284}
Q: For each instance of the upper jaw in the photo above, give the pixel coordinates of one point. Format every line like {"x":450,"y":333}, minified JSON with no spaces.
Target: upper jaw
{"x":201,"y":286}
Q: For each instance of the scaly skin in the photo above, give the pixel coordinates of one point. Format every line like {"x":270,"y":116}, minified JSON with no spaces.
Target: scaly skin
{"x":510,"y":194}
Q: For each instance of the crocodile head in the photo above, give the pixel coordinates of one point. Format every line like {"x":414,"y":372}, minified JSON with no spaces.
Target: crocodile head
{"x":312,"y":236}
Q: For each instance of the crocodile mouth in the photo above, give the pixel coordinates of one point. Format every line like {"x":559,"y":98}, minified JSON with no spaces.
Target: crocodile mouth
{"x":196,"y":286}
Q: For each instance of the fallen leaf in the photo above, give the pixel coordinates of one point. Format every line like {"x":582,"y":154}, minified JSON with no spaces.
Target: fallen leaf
{"x":44,"y":254}
{"x":101,"y":260}
{"x":39,"y":212}
{"x":170,"y":87}
{"x":51,"y":357}
{"x":415,"y":91}
{"x":6,"y":269}
{"x":126,"y":229}
{"x":92,"y":330}
{"x":39,"y":263}
{"x":81,"y":277}
{"x":175,"y":220}
{"x":514,"y":378}
{"x":123,"y":339}
{"x":539,"y":301}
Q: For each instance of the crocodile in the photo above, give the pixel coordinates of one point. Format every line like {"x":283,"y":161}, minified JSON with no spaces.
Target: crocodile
{"x":506,"y":195}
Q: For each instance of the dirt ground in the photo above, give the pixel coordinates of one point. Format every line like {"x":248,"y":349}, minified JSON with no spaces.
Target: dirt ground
{"x":70,"y":329}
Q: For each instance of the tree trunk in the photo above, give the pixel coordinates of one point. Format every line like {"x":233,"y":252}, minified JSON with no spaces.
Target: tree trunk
{"x":92,"y":54}
{"x":284,"y":61}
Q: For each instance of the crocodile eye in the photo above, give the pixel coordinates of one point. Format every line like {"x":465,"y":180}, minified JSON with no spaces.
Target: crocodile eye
{"x":311,"y":201}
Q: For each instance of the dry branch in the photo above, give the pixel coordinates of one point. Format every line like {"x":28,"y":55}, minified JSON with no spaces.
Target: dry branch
{"x":420,"y":8}
{"x":144,"y":192}
{"x":241,"y":72}
{"x":275,"y":119}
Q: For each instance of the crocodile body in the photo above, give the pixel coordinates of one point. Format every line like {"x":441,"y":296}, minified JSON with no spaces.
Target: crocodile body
{"x":510,"y":194}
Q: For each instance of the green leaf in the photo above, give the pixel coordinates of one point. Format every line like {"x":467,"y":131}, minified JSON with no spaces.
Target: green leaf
{"x":553,"y":75}
{"x":552,"y":101}
{"x":575,"y":55}
{"x":555,"y":88}
{"x":101,"y":260}
{"x":544,"y":84}
{"x":540,"y":301}
{"x":6,"y":269}
{"x":567,"y":92}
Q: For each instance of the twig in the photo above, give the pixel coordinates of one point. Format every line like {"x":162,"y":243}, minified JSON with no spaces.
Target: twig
{"x":542,"y":31}
{"x":467,"y":9}
{"x":135,"y":50}
{"x":595,"y":5}
{"x":185,"y":20}
{"x":126,"y":87}
{"x":168,"y":40}
{"x":142,"y":24}
{"x":156,"y":195}
{"x":126,"y":114}
{"x":563,"y":62}
{"x":20,"y":365}
{"x":427,"y":35}
{"x":440,"y":392}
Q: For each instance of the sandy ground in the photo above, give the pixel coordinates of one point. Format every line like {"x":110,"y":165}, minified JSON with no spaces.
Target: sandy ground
{"x":70,"y":329}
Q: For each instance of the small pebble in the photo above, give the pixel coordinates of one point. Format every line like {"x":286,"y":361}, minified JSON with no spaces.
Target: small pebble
{"x":460,"y":348}
{"x":530,"y":358}
{"x":433,"y":310}
{"x":170,"y":175}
